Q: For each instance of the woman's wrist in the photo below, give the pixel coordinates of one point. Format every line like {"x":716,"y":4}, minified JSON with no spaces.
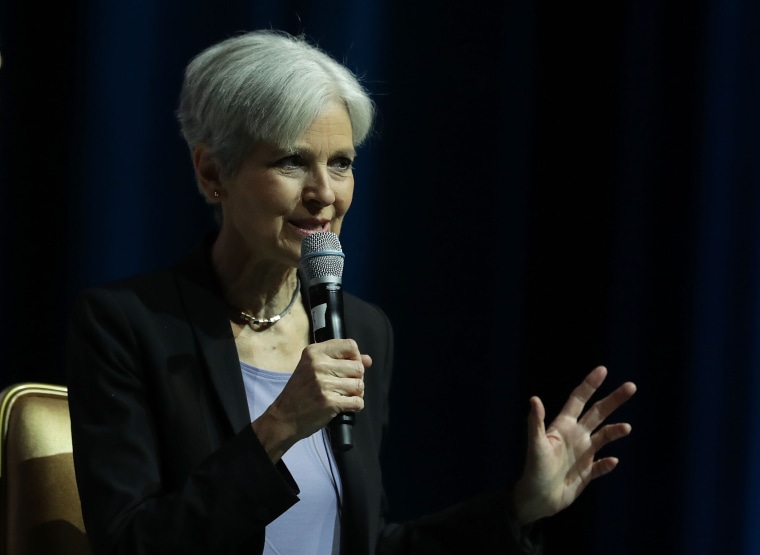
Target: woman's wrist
{"x":272,"y":435}
{"x":525,"y":508}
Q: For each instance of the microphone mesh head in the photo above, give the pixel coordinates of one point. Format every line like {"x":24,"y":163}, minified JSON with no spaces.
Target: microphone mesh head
{"x":321,"y":256}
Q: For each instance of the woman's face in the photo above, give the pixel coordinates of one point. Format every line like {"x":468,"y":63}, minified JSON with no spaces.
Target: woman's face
{"x":279,"y":196}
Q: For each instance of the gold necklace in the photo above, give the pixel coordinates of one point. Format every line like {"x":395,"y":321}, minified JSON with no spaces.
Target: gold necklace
{"x":252,"y":320}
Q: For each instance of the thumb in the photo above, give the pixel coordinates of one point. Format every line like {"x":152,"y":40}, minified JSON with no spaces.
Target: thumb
{"x":536,"y":427}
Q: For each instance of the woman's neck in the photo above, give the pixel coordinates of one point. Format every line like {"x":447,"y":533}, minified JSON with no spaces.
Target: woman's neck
{"x":259,"y":287}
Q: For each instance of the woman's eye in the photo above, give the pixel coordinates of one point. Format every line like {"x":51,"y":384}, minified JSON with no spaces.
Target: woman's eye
{"x":291,"y":162}
{"x":343,"y":163}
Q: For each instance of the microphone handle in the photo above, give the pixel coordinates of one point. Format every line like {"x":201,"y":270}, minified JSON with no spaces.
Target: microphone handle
{"x":326,"y":301}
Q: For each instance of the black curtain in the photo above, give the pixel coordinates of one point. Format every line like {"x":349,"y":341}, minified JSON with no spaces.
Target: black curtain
{"x":550,"y":186}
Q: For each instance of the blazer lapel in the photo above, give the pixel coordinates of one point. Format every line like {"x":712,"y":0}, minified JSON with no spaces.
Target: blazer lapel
{"x":209,"y":319}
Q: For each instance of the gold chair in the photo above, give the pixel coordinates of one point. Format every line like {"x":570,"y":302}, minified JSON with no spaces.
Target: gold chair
{"x":39,"y":501}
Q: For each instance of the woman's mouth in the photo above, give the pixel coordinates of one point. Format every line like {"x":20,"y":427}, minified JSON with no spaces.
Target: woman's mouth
{"x":307,"y":227}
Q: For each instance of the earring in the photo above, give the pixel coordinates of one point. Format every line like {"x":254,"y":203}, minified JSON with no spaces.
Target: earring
{"x":216,"y":194}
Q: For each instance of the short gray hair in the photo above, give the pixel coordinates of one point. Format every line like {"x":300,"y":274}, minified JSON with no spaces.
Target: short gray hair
{"x":264,"y":85}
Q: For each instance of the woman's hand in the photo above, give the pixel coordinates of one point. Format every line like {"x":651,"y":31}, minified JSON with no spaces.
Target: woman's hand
{"x":560,"y":459}
{"x":328,"y":380}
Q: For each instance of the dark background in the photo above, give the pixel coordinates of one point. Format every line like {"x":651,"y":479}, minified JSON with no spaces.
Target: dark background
{"x":550,"y":186}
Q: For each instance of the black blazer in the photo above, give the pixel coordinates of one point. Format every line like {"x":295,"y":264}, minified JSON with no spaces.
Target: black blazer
{"x":166,"y":459}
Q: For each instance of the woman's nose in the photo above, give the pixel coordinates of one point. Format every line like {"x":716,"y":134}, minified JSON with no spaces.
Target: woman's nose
{"x":319,"y":188}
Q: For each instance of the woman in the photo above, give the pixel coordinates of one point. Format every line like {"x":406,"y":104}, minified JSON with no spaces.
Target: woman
{"x":198,"y":400}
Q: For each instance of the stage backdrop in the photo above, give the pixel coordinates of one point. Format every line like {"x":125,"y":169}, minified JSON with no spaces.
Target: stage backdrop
{"x":548,"y":188}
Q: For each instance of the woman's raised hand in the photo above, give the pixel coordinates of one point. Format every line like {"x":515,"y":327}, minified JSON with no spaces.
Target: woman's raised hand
{"x":561,"y":459}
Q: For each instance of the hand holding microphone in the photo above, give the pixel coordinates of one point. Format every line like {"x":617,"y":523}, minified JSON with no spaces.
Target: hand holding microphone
{"x":322,"y":272}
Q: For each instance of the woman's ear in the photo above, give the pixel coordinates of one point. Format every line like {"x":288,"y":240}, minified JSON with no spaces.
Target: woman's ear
{"x":207,"y":172}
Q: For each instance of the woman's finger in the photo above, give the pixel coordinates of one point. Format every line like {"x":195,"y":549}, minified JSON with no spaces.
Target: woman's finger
{"x":583,"y":392}
{"x":609,"y":433}
{"x":599,"y":412}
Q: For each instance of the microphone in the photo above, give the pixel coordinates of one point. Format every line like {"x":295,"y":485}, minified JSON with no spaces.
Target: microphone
{"x":322,"y":272}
